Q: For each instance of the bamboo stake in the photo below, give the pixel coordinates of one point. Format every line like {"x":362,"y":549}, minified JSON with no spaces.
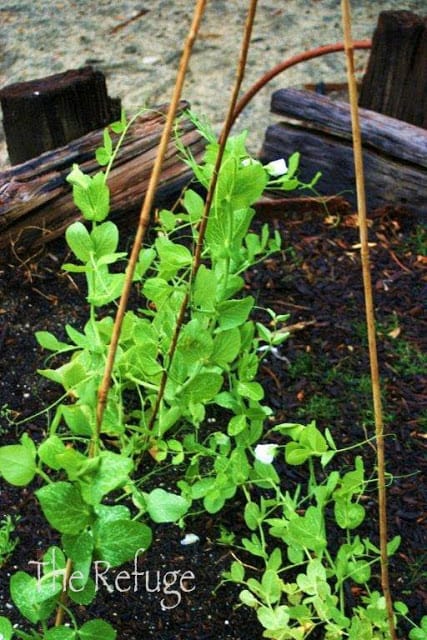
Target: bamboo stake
{"x":370,"y":314}
{"x":144,"y":219}
{"x":209,"y":197}
{"x":143,"y":224}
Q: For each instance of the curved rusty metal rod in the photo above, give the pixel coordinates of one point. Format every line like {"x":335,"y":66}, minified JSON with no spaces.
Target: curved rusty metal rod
{"x":290,"y":62}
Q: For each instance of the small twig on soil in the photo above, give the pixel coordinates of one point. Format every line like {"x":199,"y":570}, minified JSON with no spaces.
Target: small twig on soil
{"x":370,"y":314}
{"x":125,"y":23}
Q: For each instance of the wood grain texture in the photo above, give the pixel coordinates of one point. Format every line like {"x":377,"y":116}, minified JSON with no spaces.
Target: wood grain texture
{"x":36,"y":203}
{"x":395,"y":82}
{"x":395,"y":153}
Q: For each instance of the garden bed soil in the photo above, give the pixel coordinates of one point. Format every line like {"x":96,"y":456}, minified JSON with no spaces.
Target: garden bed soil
{"x":319,"y":373}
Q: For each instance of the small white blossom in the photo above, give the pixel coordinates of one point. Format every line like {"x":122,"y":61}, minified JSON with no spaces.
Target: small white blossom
{"x":276,"y":168}
{"x":189,"y":538}
{"x":265,"y":452}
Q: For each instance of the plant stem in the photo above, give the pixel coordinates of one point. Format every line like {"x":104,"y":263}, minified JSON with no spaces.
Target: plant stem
{"x":209,"y":198}
{"x":370,"y":315}
{"x":145,"y":215}
{"x":59,"y":619}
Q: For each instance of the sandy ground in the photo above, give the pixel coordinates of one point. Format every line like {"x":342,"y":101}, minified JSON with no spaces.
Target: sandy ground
{"x":140,"y":57}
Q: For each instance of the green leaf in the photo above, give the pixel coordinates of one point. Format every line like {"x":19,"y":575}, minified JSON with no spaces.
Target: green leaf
{"x":272,"y":585}
{"x":68,"y":375}
{"x":236,"y":425}
{"x":17,"y":464}
{"x":35,"y":599}
{"x":48,"y":341}
{"x":6,"y":629}
{"x":194,"y":205}
{"x":103,"y":474}
{"x":119,"y":541}
{"x":233,"y":313}
{"x":164,"y":506}
{"x":157,"y":290}
{"x":307,"y":531}
{"x":226,"y":347}
{"x":252,"y":515}
{"x":81,"y":595}
{"x":251,"y":390}
{"x":214,"y":500}
{"x":203,"y":387}
{"x":79,"y":241}
{"x":274,"y":619}
{"x":312,"y":439}
{"x":105,"y":238}
{"x":348,"y":515}
{"x":249,"y":184}
{"x":194,"y":342}
{"x":254,"y":546}
{"x":64,"y":508}
{"x":49,"y":450}
{"x":173,"y":257}
{"x":79,"y":549}
{"x":204,"y":290}
{"x":60,"y":633}
{"x":79,"y":419}
{"x":145,"y":259}
{"x":237,"y":572}
{"x":393,"y":545}
{"x":91,"y":194}
{"x":295,"y":454}
{"x":359,"y":571}
{"x":120,"y":125}
{"x":248,"y":598}
{"x":401,"y":608}
{"x":275,"y":560}
{"x":96,"y":629}
{"x":111,"y":514}
{"x":102,"y":156}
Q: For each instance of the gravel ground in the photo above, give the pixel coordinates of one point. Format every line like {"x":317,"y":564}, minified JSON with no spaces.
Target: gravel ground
{"x":139,"y":57}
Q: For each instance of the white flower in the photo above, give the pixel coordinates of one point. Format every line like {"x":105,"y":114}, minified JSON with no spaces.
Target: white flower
{"x":265,"y":452}
{"x":189,"y":538}
{"x":276,"y":168}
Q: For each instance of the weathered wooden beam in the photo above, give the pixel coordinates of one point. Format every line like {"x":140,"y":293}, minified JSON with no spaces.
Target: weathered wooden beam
{"x":395,"y":83}
{"x":49,"y":112}
{"x":36,"y":203}
{"x":395,"y":153}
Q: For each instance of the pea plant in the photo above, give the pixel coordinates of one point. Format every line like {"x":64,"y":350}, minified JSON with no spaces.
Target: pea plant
{"x":96,"y":498}
{"x":303,"y":580}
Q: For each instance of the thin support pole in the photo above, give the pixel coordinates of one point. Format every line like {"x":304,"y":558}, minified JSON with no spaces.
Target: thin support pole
{"x":144,"y":219}
{"x":370,"y":314}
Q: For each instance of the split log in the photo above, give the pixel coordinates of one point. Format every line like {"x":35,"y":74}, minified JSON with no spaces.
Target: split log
{"x":36,"y":202}
{"x":395,"y":153}
{"x":395,"y":83}
{"x":47,"y":113}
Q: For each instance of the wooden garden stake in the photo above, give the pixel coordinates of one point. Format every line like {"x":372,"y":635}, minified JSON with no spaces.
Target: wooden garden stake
{"x":144,"y":218}
{"x":370,"y":315}
{"x":144,"y":221}
{"x":229,"y":120}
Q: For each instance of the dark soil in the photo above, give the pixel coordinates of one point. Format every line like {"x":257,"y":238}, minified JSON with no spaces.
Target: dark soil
{"x":321,"y":372}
